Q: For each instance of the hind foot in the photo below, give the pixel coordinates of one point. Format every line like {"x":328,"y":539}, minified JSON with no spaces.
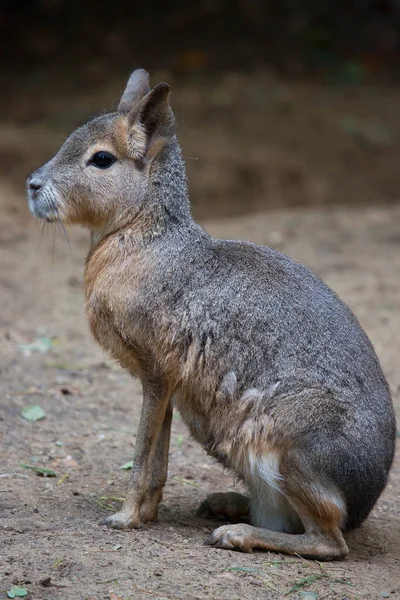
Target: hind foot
{"x":230,"y":506}
{"x":316,"y":545}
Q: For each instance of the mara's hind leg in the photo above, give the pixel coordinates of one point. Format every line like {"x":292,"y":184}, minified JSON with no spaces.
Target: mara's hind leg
{"x":231,"y":506}
{"x":294,"y":512}
{"x":314,"y":543}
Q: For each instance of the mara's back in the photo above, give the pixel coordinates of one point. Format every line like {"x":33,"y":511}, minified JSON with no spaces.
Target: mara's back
{"x":259,"y":313}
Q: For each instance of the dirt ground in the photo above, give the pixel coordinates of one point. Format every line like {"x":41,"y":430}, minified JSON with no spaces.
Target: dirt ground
{"x":331,"y":175}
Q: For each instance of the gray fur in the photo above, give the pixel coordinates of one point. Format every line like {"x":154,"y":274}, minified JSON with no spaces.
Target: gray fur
{"x":262,"y":336}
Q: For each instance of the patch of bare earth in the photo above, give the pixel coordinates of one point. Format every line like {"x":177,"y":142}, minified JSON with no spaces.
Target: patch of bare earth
{"x":50,"y":538}
{"x":259,"y":144}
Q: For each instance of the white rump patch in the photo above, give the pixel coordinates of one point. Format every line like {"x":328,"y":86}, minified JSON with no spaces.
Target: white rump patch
{"x":266,"y":466}
{"x":269,"y":507}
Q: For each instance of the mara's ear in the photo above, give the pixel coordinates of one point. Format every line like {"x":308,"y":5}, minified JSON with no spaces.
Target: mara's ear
{"x":151,"y":124}
{"x":138,"y":86}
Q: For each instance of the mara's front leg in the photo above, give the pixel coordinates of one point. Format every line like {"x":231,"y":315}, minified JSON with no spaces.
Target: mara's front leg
{"x":159,"y":471}
{"x":150,"y":460}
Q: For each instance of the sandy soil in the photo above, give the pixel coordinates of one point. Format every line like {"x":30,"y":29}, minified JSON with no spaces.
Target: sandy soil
{"x":51,"y":542}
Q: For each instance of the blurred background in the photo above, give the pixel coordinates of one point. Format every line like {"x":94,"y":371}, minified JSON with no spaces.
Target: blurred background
{"x":279,"y":103}
{"x":288,"y":115}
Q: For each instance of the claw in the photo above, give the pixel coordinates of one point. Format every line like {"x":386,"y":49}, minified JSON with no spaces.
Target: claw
{"x":121,"y":520}
{"x":209,"y":541}
{"x":230,"y":537}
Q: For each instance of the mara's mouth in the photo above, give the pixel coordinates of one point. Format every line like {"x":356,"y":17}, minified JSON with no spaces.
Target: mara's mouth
{"x":43,"y":211}
{"x":44,"y":203}
{"x":52,"y":218}
{"x":44,"y":208}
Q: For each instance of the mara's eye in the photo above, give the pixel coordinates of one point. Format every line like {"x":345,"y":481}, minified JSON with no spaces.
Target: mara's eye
{"x":102,"y":160}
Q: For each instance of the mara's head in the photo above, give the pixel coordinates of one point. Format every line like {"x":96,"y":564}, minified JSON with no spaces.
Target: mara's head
{"x":111,"y":166}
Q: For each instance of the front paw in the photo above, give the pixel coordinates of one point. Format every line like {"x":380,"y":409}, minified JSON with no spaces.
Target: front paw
{"x":122,"y":520}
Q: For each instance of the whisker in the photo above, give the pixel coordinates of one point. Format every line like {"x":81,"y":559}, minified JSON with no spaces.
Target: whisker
{"x":50,"y":208}
{"x":40,"y":240}
{"x":58,"y":228}
{"x":65,"y":234}
{"x":54,"y":241}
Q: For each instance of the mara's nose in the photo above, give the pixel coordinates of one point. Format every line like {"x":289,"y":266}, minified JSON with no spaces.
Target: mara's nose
{"x":34,"y":184}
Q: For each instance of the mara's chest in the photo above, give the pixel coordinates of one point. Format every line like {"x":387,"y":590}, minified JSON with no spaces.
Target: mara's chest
{"x":111,"y":307}
{"x":110,"y":328}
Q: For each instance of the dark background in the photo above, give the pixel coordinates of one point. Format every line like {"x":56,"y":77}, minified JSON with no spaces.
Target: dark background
{"x":289,"y":34}
{"x":280,"y":102}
